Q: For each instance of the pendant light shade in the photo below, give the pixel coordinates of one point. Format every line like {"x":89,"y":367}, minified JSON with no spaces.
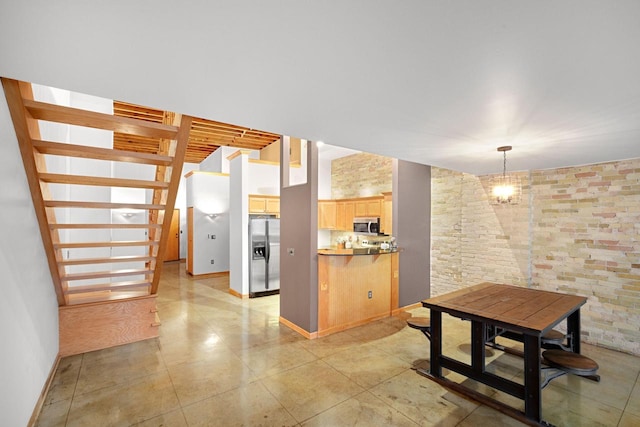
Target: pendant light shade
{"x":505,"y":189}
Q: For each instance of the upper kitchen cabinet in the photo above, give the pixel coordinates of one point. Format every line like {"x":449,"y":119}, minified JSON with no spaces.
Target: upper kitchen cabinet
{"x":261,"y":204}
{"x":345,"y":211}
{"x":327,"y":214}
{"x":369,"y":206}
{"x":339,"y":214}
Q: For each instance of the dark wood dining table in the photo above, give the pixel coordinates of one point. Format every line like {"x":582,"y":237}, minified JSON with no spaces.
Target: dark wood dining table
{"x":528,"y":312}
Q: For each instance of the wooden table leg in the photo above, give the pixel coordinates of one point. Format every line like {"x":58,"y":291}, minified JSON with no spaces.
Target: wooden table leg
{"x":573,"y":330}
{"x":532,"y":384}
{"x":436,"y":343}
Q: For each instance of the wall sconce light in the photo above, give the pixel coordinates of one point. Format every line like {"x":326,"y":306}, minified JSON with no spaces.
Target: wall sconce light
{"x":505,"y":189}
{"x":127,"y":214}
{"x":212,"y":215}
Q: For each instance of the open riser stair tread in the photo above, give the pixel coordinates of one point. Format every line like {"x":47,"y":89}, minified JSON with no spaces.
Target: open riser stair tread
{"x":102,"y":226}
{"x":102,"y":181}
{"x":114,"y":286}
{"x":109,"y":244}
{"x":91,"y":297}
{"x":115,"y":259}
{"x":100,"y":205}
{"x":106,"y":274}
{"x":96,"y":153}
{"x":92,"y":119}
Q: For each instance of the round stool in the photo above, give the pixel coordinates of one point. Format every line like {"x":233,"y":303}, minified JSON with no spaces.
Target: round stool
{"x":554,"y":339}
{"x":423,"y":324}
{"x":572,"y":363}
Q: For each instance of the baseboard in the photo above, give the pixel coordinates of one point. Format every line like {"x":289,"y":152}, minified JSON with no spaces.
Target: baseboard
{"x":298,"y":329}
{"x":238,"y":294}
{"x":209,"y":275}
{"x":43,"y":394}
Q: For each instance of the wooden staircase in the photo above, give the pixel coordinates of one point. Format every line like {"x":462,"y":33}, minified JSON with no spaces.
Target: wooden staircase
{"x":93,"y":282}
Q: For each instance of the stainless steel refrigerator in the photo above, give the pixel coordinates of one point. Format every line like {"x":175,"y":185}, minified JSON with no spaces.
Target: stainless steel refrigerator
{"x":264,"y":256}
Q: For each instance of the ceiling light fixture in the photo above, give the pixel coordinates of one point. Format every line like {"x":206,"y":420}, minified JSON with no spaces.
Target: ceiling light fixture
{"x":505,"y":189}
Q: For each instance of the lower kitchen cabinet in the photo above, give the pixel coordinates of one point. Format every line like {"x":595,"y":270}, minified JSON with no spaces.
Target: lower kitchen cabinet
{"x":355,"y":289}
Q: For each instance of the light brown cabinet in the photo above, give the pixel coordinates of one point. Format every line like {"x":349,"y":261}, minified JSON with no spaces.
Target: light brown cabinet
{"x":345,"y":211}
{"x":264,"y":204}
{"x":327,"y":214}
{"x":339,"y":214}
{"x":386,"y":219}
{"x":355,"y":289}
{"x":368,"y":207}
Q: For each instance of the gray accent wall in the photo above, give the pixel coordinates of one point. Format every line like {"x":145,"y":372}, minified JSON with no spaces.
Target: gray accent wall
{"x":412,"y":228}
{"x":299,"y":231}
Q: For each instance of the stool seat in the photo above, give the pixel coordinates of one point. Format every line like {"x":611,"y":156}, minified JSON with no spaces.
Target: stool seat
{"x":553,"y":337}
{"x":572,"y":363}
{"x":419,"y":323}
{"x":423,"y":324}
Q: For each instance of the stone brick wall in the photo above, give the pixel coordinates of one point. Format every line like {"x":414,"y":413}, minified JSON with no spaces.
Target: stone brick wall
{"x":361,"y":175}
{"x":576,"y":231}
{"x":586,"y":241}
{"x":473,"y":241}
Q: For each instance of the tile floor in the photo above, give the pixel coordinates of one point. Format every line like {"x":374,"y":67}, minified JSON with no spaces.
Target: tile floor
{"x":222,"y":361}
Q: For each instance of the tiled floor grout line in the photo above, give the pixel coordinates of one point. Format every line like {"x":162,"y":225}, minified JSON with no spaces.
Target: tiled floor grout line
{"x":73,"y":395}
{"x":626,"y":404}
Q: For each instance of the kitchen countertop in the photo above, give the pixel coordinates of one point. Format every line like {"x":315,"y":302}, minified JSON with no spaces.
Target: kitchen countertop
{"x":355,"y":251}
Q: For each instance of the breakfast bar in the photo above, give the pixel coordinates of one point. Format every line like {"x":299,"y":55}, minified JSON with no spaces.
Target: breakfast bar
{"x":355,"y":286}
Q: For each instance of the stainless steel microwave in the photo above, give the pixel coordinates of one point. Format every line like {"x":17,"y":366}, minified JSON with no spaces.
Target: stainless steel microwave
{"x":366,"y":225}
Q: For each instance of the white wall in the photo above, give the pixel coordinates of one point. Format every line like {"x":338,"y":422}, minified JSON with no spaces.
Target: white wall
{"x":181,"y":203}
{"x":208,"y":193}
{"x":28,"y":306}
{"x":218,"y":162}
{"x":238,"y":226}
{"x":263,"y":179}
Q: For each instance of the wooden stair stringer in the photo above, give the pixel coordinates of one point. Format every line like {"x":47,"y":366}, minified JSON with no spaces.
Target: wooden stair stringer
{"x":27,"y":129}
{"x":178,"y":150}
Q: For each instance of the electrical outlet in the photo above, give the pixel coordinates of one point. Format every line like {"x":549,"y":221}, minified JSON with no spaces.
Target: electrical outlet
{"x":370,"y":294}
{"x":213,"y":236}
{"x":211,"y":261}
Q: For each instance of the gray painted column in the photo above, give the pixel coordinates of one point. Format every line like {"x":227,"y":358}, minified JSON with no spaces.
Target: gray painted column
{"x":412,"y":228}
{"x":299,"y":242}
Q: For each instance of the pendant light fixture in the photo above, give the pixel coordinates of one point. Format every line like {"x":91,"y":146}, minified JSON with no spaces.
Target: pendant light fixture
{"x":505,"y":189}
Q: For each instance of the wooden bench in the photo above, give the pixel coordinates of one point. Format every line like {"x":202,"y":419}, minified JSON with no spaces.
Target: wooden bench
{"x":566,"y":362}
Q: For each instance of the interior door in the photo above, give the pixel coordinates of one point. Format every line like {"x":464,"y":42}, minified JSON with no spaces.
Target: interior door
{"x":173,"y":245}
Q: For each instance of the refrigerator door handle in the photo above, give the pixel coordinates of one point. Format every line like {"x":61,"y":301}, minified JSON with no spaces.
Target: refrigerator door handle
{"x":267,"y":243}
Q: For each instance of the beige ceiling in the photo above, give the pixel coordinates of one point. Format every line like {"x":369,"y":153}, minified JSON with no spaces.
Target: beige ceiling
{"x":441,"y":83}
{"x":205,"y":136}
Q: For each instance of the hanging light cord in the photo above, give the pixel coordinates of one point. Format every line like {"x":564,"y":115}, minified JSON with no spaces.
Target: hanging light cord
{"x":504,"y":165}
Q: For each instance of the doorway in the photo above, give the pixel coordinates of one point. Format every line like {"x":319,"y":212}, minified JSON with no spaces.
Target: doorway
{"x":172,"y":252}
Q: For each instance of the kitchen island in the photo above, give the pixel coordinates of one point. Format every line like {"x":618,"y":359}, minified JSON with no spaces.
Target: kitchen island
{"x":355,"y":286}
